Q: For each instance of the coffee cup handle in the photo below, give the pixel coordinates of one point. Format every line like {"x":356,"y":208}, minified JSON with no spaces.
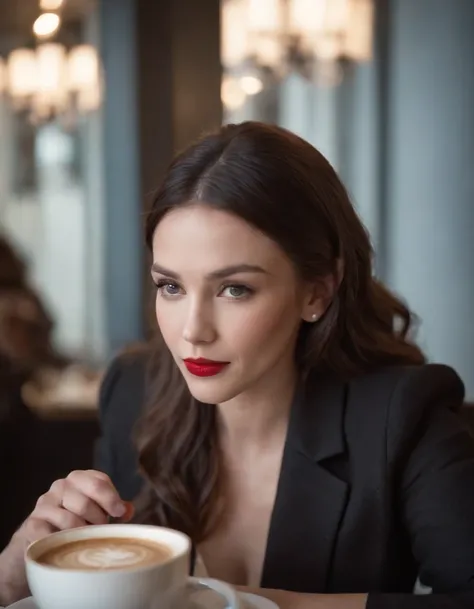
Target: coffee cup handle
{"x":227,"y":592}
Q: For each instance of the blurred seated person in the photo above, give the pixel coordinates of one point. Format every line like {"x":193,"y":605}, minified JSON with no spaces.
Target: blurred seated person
{"x":25,"y":328}
{"x":286,"y":421}
{"x":25,"y":349}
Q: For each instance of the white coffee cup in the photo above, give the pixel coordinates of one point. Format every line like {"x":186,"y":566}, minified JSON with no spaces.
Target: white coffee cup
{"x":164,"y":585}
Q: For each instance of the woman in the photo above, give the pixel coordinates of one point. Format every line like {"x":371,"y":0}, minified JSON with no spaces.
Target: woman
{"x":293,"y":430}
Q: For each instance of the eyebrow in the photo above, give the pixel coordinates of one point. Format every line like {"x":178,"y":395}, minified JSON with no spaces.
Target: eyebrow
{"x":219,"y":274}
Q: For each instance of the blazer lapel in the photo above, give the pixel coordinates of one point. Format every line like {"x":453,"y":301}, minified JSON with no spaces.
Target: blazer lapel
{"x":310,"y":501}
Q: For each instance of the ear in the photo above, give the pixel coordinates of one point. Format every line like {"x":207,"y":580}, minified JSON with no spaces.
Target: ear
{"x":320,"y":293}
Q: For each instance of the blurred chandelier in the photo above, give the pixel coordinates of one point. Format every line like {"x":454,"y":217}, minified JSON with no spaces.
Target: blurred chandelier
{"x":311,"y":37}
{"x":49,"y":81}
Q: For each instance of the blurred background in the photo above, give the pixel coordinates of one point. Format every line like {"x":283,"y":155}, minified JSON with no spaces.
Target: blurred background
{"x":97,"y":95}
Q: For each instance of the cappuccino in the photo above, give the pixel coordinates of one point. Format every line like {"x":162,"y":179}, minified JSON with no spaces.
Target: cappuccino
{"x":106,"y":554}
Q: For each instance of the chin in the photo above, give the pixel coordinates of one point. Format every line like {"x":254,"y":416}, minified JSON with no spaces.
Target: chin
{"x":211,"y":390}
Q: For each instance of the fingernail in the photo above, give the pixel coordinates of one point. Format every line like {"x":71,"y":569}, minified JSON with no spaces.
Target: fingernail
{"x":119,"y":510}
{"x":129,"y":511}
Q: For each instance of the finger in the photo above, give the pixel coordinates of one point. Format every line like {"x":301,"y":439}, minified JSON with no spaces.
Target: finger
{"x":99,"y":489}
{"x":79,"y":504}
{"x":58,"y":517}
{"x":58,"y":487}
{"x":98,"y":474}
{"x":52,"y":497}
{"x":56,"y":491}
{"x":129,"y":513}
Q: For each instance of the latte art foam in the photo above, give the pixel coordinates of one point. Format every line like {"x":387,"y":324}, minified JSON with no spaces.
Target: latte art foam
{"x":105,"y":554}
{"x":108,"y":557}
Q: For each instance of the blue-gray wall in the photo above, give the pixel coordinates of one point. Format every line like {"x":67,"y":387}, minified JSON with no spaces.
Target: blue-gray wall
{"x":162,"y":90}
{"x":123,"y":247}
{"x":430,"y":188}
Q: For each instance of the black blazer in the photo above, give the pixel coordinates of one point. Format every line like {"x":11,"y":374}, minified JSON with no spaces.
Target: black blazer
{"x":376,"y":484}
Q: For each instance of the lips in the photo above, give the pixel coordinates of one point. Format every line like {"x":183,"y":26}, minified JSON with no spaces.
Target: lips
{"x":204,"y":367}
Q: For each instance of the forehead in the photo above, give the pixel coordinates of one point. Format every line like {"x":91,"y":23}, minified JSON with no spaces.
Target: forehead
{"x":199,"y":234}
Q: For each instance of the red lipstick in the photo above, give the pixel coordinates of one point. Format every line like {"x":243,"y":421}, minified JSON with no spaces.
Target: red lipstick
{"x":204,"y":367}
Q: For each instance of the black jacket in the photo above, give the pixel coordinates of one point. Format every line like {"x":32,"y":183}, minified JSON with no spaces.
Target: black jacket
{"x":376,"y":485}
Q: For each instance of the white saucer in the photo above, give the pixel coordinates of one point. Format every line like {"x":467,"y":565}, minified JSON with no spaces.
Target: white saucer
{"x":252,"y":601}
{"x":26,"y":603}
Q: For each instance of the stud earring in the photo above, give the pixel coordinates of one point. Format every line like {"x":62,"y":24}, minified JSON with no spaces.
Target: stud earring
{"x":314,"y":317}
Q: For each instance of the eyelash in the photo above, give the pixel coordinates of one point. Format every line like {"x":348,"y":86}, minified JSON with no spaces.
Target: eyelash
{"x":163,"y":283}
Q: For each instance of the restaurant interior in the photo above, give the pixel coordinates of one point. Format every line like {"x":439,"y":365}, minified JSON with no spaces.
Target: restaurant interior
{"x":96,"y":96}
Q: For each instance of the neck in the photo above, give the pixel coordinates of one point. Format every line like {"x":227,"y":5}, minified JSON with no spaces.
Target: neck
{"x":258,"y":416}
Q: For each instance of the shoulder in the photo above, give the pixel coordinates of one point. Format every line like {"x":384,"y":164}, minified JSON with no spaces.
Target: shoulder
{"x":409,"y":387}
{"x":121,"y":403}
{"x":122,"y":390}
{"x":402,"y":399}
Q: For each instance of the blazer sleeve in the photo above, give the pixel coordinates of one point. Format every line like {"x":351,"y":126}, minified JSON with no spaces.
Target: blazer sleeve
{"x":435,"y":452}
{"x":104,"y":453}
{"x":121,"y":400}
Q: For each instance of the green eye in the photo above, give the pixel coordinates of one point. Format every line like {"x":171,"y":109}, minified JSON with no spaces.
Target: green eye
{"x":236,"y":292}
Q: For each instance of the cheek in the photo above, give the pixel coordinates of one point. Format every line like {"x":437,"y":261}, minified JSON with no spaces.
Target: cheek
{"x":266,"y":329}
{"x":169,"y":321}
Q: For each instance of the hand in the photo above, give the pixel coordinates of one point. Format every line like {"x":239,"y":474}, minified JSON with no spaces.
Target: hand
{"x":84,"y":497}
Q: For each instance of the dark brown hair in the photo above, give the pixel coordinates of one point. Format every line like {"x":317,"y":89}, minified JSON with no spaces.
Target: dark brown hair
{"x":283,"y":186}
{"x":25,"y":324}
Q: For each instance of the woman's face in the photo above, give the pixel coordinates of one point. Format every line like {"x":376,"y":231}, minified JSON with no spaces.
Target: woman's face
{"x":228,"y":295}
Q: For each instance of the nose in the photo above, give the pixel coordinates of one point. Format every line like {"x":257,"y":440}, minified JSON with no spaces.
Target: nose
{"x":199,"y":327}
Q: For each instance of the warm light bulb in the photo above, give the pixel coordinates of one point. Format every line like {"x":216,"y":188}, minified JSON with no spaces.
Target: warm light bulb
{"x":46,"y":25}
{"x":232,"y":95}
{"x":83,"y":68}
{"x":306,"y":17}
{"x":51,"y":5}
{"x":251,"y":85}
{"x":336,"y":15}
{"x":265,"y":16}
{"x":359,"y":34}
{"x":51,"y":91}
{"x":234,"y":32}
{"x":22,"y":73}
